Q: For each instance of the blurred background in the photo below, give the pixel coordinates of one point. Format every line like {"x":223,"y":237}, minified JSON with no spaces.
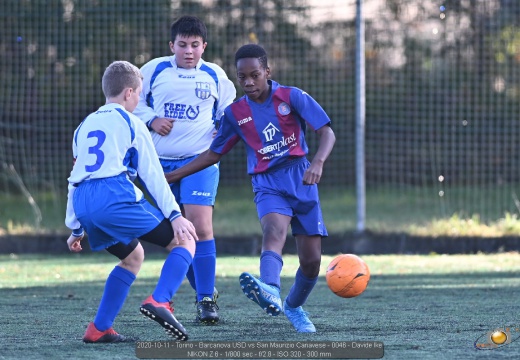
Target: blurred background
{"x":442,"y":100}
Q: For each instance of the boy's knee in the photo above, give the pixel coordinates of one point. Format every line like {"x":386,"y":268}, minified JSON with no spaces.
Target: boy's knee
{"x":191,"y":246}
{"x":310,"y":267}
{"x":134,"y":260}
{"x":187,"y":244}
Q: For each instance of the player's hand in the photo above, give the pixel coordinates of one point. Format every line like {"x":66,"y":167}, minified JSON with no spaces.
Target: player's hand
{"x":171,"y":177}
{"x":313,"y":174}
{"x":183,"y":230}
{"x":214,"y":133}
{"x":74,"y":243}
{"x":162,"y":126}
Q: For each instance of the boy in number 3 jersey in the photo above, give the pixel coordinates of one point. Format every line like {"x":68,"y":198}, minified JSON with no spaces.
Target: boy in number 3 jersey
{"x":271,"y":119}
{"x":111,"y":148}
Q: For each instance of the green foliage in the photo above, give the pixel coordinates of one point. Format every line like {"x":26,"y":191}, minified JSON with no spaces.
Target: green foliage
{"x":389,"y":210}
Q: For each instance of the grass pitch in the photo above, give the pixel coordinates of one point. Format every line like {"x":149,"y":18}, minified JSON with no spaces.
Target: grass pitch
{"x":420,"y":307}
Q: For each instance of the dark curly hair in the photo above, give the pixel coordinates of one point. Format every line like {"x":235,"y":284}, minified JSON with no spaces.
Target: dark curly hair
{"x":252,"y":51}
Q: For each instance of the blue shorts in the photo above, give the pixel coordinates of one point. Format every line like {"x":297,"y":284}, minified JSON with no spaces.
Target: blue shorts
{"x":196,"y":189}
{"x":109,"y":213}
{"x":282,"y":191}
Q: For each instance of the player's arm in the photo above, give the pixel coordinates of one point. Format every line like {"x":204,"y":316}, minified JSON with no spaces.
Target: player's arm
{"x":182,"y":230}
{"x":71,"y":221}
{"x":151,"y":173}
{"x":227,"y":93}
{"x":143,"y":109}
{"x":74,"y":243}
{"x":162,"y":126}
{"x":327,"y":139}
{"x":205,"y":159}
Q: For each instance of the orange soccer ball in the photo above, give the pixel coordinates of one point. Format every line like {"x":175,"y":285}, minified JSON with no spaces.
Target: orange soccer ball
{"x":347,"y":275}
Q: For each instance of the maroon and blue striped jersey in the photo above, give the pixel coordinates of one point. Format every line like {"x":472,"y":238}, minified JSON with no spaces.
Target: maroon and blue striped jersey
{"x":274,"y":131}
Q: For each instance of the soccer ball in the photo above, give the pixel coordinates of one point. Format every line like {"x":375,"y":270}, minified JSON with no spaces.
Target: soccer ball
{"x":347,"y":275}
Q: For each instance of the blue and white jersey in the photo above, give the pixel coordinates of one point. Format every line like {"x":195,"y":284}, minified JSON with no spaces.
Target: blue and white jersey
{"x":112,"y":141}
{"x":274,"y":131}
{"x":194,"y":98}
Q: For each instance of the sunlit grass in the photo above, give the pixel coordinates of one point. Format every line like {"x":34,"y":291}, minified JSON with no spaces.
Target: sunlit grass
{"x":18,"y":271}
{"x":457,"y":226}
{"x":387,"y":211}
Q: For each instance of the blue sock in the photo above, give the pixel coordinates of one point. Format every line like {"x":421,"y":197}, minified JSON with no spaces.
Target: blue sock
{"x":116,"y":289}
{"x":190,"y":275}
{"x":172,"y":273}
{"x":270,"y":268}
{"x":204,"y":263}
{"x":300,"y":290}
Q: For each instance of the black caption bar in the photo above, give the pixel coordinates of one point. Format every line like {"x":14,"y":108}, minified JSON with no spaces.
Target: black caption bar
{"x":259,"y":350}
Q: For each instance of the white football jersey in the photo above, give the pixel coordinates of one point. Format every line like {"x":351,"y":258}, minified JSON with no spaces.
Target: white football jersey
{"x":112,"y":141}
{"x":194,"y":98}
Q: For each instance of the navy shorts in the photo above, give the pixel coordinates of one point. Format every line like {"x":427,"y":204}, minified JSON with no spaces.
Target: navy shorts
{"x":196,"y":189}
{"x":282,"y":191}
{"x":108,"y":211}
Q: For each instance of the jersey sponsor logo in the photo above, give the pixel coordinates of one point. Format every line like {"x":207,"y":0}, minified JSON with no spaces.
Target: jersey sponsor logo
{"x":269,"y":132}
{"x":282,"y":153}
{"x":186,"y":77}
{"x":180,"y":111}
{"x":245,"y":120}
{"x":284,"y":109}
{"x":278,"y":145}
{"x":203,"y":90}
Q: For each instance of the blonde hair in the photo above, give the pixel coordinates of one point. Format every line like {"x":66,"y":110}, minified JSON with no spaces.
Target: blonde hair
{"x":119,"y":76}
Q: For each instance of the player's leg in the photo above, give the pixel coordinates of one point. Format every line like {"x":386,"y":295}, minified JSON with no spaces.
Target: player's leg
{"x":308,"y":228}
{"x":197,"y":194}
{"x":309,"y":255}
{"x":274,"y":213}
{"x":117,"y":217}
{"x":204,"y":263}
{"x":266,"y":290}
{"x":115,"y":292}
{"x":168,"y":166}
{"x":274,"y":234}
{"x":104,"y":210}
{"x":157,"y":305}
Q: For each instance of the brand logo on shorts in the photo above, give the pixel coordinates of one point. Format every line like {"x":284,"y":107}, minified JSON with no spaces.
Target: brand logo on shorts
{"x":200,"y":193}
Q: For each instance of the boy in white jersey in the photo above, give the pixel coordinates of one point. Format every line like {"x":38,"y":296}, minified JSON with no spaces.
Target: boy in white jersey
{"x":111,"y":147}
{"x":182,"y":99}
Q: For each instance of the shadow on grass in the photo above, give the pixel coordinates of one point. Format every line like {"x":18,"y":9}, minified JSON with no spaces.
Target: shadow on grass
{"x":415,"y":316}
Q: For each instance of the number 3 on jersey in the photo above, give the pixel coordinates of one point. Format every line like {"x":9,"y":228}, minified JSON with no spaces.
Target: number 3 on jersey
{"x":96,"y":150}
